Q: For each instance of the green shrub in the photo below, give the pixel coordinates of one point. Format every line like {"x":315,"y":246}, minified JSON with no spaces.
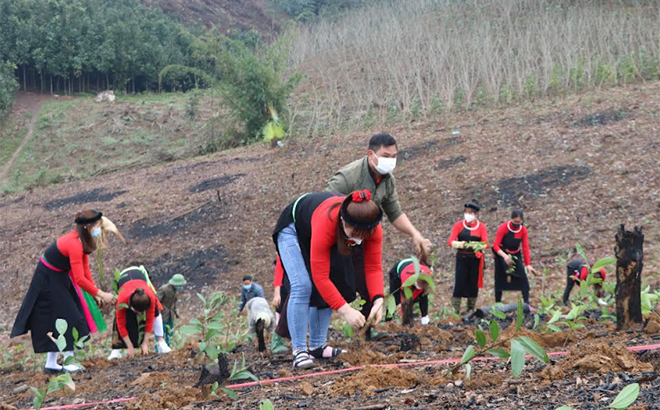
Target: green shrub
{"x":252,"y":81}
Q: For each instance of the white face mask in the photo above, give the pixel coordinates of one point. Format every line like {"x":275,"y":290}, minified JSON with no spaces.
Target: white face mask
{"x":469,"y":218}
{"x":356,"y":240}
{"x":385,"y":165}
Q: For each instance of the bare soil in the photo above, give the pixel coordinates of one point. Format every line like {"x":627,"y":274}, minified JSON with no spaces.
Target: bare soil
{"x":577,"y":169}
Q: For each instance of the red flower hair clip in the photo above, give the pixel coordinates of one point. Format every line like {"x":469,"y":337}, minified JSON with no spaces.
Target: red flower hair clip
{"x":359,"y":196}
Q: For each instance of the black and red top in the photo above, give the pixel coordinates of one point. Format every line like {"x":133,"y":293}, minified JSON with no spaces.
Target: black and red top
{"x":474,"y":231}
{"x":579,"y":269}
{"x":407,"y":269}
{"x":332,"y":273}
{"x":513,"y":241}
{"x":124,"y":300}
{"x":67,"y":255}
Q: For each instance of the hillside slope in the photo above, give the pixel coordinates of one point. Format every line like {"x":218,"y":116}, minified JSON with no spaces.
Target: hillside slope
{"x":580,"y":167}
{"x":224,"y":14}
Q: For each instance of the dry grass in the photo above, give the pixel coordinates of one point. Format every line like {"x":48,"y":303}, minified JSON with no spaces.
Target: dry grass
{"x":409,"y":58}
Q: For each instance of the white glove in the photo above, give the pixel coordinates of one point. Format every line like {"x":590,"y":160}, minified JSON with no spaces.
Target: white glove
{"x":425,"y":320}
{"x":458,"y":244}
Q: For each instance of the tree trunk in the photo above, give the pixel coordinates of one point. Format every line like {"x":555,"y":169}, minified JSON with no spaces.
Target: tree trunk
{"x":629,"y":255}
{"x":406,"y":310}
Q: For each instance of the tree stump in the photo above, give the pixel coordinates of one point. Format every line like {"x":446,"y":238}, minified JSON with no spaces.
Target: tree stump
{"x":406,"y":310}
{"x":212,"y":373}
{"x":260,"y":327}
{"x":629,"y":253}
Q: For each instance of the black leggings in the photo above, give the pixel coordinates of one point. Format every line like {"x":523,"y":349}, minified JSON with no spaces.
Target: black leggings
{"x":525,"y":296}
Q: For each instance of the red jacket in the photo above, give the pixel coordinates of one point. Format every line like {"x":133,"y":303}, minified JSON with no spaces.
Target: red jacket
{"x":124,"y":299}
{"x":324,"y":228}
{"x":70,"y":246}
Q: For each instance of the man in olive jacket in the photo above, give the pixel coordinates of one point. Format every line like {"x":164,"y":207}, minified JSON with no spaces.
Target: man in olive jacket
{"x":374,"y":172}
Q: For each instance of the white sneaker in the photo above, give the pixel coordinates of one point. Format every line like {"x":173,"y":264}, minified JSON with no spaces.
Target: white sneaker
{"x":163,"y":348}
{"x":115,"y":354}
{"x":71,"y":368}
{"x":425,"y":320}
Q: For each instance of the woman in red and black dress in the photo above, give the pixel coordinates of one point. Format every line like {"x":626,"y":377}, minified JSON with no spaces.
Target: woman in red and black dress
{"x":511,"y":250}
{"x":469,"y":275}
{"x":53,"y":293}
{"x":314,"y":236}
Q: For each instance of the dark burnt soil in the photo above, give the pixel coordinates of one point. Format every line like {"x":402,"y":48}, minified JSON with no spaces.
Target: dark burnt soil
{"x":587,"y":378}
{"x":515,"y":191}
{"x":435,"y":145}
{"x":203,"y":266}
{"x":215,"y":183}
{"x":450,"y":162}
{"x":95,"y":195}
{"x":602,"y":118}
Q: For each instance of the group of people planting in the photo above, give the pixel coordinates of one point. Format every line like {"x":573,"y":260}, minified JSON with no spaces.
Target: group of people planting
{"x":62,"y":287}
{"x":329,"y":247}
{"x":329,"y":250}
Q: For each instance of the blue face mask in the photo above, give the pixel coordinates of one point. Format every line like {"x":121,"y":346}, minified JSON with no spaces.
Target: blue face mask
{"x":247,"y":287}
{"x":96,"y":232}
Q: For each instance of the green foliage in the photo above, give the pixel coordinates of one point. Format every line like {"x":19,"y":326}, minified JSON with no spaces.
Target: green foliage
{"x":623,"y":400}
{"x":237,"y":373}
{"x":177,"y":77}
{"x":520,"y":346}
{"x":213,"y":327}
{"x":253,"y":84}
{"x":122,"y":44}
{"x":266,"y":404}
{"x":8,"y":85}
{"x":626,"y":397}
{"x":54,"y":385}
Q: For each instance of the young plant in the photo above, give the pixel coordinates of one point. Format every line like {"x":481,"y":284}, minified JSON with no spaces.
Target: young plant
{"x":519,"y":346}
{"x":60,"y":382}
{"x":210,"y":326}
{"x":54,"y":385}
{"x":237,"y":373}
{"x":623,"y":400}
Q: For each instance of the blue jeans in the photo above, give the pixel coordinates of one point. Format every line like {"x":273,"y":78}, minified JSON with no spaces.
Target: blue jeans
{"x":300,"y":315}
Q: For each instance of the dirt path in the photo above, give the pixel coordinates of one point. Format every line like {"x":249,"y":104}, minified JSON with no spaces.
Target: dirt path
{"x":25,"y":102}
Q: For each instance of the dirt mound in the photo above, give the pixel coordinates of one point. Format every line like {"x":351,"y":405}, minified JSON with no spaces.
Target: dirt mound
{"x":653,"y":325}
{"x":152,"y":380}
{"x":369,"y":380}
{"x":596,"y":358}
{"x":364,"y":356}
{"x":171,"y":397}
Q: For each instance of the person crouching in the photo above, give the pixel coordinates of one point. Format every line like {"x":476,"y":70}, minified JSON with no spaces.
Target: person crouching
{"x":260,"y":320}
{"x":137,"y":302}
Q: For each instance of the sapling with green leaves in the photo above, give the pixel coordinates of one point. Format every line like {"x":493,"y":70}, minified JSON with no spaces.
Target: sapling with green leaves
{"x":55,"y":384}
{"x":520,"y":346}
{"x":237,"y":373}
{"x":213,"y":329}
{"x":64,"y":380}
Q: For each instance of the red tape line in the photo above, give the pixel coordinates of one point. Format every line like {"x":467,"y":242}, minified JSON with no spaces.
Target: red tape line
{"x":338,"y":371}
